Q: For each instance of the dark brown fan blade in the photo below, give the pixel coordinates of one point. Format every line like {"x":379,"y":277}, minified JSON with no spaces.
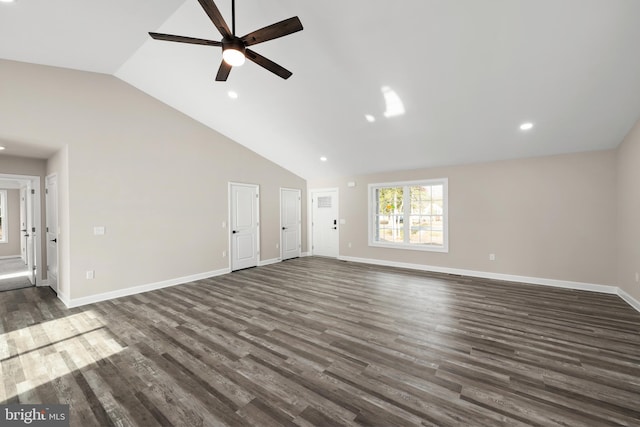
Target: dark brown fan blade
{"x":268,"y":64}
{"x":183,"y":39}
{"x":273,"y":31}
{"x":223,"y":72}
{"x":216,"y":17}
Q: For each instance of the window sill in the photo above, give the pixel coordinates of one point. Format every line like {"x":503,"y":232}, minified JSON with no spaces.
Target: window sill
{"x":441,"y":249}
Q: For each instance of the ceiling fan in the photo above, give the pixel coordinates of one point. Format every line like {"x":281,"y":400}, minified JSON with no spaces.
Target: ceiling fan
{"x":234,"y":48}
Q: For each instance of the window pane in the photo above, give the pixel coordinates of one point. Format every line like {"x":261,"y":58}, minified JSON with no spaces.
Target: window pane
{"x":389,"y":200}
{"x":437,"y":192}
{"x":437,"y":208}
{"x":419,"y":230}
{"x":419,"y":200}
{"x":419,"y":193}
{"x":389,"y":224}
{"x":390,"y":228}
{"x":437,"y":238}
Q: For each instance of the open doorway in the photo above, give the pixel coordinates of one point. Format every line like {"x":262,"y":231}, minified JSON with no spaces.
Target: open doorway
{"x":20,"y":245}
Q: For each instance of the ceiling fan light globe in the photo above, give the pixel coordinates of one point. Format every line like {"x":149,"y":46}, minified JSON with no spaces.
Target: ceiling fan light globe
{"x":233,"y":57}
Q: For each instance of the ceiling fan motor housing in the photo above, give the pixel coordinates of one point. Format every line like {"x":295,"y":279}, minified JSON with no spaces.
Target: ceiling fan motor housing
{"x":235,"y":44}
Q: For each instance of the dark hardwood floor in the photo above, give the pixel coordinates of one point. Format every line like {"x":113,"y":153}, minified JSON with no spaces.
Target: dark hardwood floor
{"x":321,"y":342}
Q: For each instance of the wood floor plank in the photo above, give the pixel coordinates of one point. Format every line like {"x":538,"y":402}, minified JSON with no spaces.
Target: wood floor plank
{"x":321,"y":342}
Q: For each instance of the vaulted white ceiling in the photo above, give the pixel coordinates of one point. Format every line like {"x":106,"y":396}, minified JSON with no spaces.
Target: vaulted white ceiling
{"x":468,"y":73}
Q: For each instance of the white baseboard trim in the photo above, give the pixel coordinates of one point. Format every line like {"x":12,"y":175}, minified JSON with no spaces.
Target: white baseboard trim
{"x":304,"y":254}
{"x":65,"y":300}
{"x":269,"y":262}
{"x":629,"y":299}
{"x":606,"y":289}
{"x":10,"y":256}
{"x":487,"y":275}
{"x":42,"y":283}
{"x":77,"y":302}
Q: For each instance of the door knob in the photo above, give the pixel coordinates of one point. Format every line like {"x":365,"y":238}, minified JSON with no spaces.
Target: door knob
{"x":284,"y":228}
{"x":54,"y":240}
{"x":234,"y":232}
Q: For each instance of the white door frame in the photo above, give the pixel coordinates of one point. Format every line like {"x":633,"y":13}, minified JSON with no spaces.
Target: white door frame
{"x":24,"y":222}
{"x":230,"y":222}
{"x":30,"y":224}
{"x":310,"y":216}
{"x":33,"y":183}
{"x":299,"y":191}
{"x":56,"y":287}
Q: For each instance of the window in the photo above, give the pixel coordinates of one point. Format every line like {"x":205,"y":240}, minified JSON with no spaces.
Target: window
{"x":409,"y":215}
{"x":3,"y":216}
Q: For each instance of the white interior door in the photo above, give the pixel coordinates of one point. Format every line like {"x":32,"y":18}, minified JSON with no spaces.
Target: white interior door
{"x":52,"y":230}
{"x":23,"y":224}
{"x":244,"y":226}
{"x":290,"y":223}
{"x":325,"y":223}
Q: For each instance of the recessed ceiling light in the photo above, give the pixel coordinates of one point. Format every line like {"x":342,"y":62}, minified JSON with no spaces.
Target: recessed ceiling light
{"x":369,"y":118}
{"x":6,"y":1}
{"x":394,"y":104}
{"x":232,"y":94}
{"x":1,"y":147}
{"x":526,"y":126}
{"x":323,"y":159}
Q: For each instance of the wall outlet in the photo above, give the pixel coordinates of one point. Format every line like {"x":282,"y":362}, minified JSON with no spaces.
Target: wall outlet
{"x":349,"y":244}
{"x":492,"y":257}
{"x":224,"y":254}
{"x":91,"y":274}
{"x":277,"y":245}
{"x":637,"y":277}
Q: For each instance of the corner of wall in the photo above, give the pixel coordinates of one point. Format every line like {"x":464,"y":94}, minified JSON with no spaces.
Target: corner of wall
{"x":627,"y":213}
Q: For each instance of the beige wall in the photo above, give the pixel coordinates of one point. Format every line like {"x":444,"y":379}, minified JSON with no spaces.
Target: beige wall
{"x":549,"y":218}
{"x":155,"y":178}
{"x":629,"y":213}
{"x":15,"y":165}
{"x":12,"y":246}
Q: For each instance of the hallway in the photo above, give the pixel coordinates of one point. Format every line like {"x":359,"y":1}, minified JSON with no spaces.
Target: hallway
{"x":13,"y":274}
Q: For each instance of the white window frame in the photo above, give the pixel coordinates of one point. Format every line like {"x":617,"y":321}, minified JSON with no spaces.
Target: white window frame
{"x":406,"y":214}
{"x":4,"y":210}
